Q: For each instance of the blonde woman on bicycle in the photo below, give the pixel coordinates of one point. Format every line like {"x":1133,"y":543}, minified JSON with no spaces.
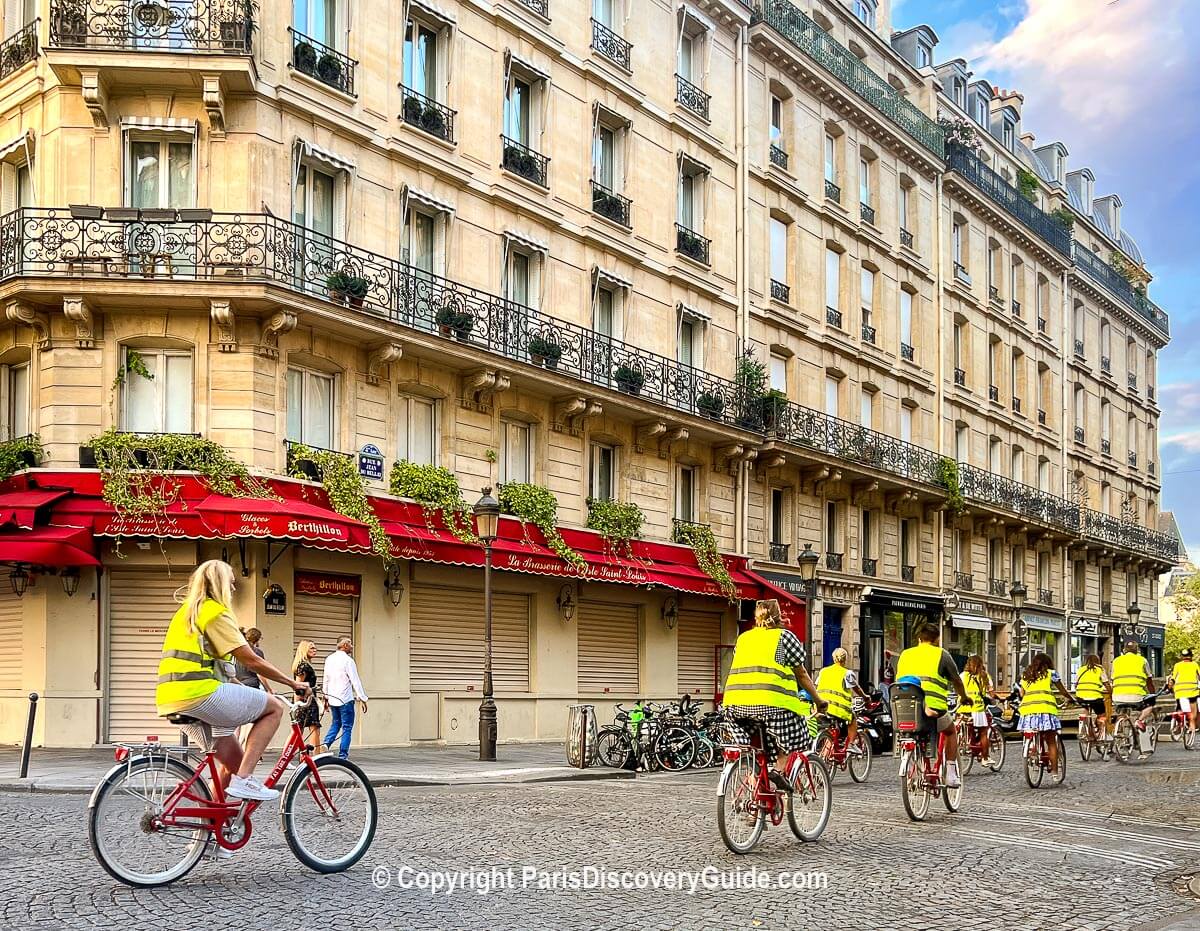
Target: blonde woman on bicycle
{"x":1090,"y":685}
{"x":202,"y":640}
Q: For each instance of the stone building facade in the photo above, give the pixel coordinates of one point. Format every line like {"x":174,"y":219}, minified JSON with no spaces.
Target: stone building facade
{"x":957,"y":344}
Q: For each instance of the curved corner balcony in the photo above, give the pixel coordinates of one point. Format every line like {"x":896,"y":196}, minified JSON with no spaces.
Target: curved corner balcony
{"x":1103,"y":274}
{"x":225,"y":26}
{"x":19,"y":49}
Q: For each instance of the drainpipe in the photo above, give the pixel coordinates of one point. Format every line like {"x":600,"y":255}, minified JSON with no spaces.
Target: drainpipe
{"x":1064,"y":324}
{"x":741,"y":488}
{"x":939,"y":383}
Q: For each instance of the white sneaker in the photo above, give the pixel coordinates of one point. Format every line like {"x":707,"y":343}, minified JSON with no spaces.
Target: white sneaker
{"x":952,"y":780}
{"x":248,"y":787}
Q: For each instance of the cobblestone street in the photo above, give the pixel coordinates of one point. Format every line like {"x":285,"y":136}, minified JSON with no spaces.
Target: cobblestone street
{"x":1112,"y":849}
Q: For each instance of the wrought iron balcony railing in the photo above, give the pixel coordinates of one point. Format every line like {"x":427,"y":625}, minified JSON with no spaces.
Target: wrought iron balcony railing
{"x":908,"y":573}
{"x":779,"y":157}
{"x":1017,"y":497}
{"x":960,"y":377}
{"x":833,"y":317}
{"x":541,"y":7}
{"x":1080,"y":435}
{"x":963,"y":161}
{"x":427,"y":114}
{"x":993,"y":392}
{"x":1016,"y":404}
{"x":1131,"y":380}
{"x":1106,"y":447}
{"x":1079,"y":601}
{"x":907,"y":352}
{"x":320,"y":61}
{"x":225,"y":248}
{"x":906,"y":238}
{"x":1045,"y":596}
{"x":610,"y":45}
{"x":1133,"y":458}
{"x":678,"y":525}
{"x":961,"y":274}
{"x":1041,"y":324}
{"x":867,"y":212}
{"x":1080,"y":349}
{"x":611,"y":205}
{"x":19,"y":49}
{"x":869,"y":566}
{"x":225,"y":26}
{"x":964,"y":581}
{"x":297,"y":464}
{"x":690,"y":97}
{"x":833,"y":562}
{"x":1129,"y":535}
{"x":1016,"y":307}
{"x":997,"y":587}
{"x":1105,"y":364}
{"x":1151,"y":467}
{"x":525,"y":162}
{"x":780,"y":292}
{"x":692,"y":244}
{"x":993,"y":294}
{"x":1119,"y":286}
{"x":801,"y":31}
{"x":1042,"y":417}
{"x":868,"y":333}
{"x":832,"y":191}
{"x":779,"y":552}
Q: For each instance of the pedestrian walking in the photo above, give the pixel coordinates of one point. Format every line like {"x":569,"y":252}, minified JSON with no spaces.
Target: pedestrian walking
{"x":309,"y":717}
{"x":244,"y":674}
{"x":340,"y":682}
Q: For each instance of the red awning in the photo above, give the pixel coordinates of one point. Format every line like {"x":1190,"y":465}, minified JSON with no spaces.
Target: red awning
{"x":21,"y":507}
{"x":287,"y":519}
{"x":48,"y":546}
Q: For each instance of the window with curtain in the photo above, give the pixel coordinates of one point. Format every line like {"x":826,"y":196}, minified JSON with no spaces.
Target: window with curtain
{"x":314,"y":200}
{"x":602,"y":486}
{"x":161,"y":172}
{"x":831,"y":395}
{"x":604,"y":157}
{"x":316,"y":19}
{"x":604,"y":12}
{"x":833,"y":284}
{"x":778,"y":373}
{"x":867,"y":409}
{"x":690,"y":350}
{"x":686,"y":487}
{"x":310,"y":399}
{"x":830,"y":158}
{"x":906,"y":424}
{"x":516,"y":452}
{"x":421,"y":59}
{"x":521,"y":282}
{"x":420,"y":241}
{"x":517,"y":111}
{"x":14,"y":380}
{"x":417,"y":433}
{"x":604,"y":314}
{"x":779,"y":269}
{"x":161,"y":403}
{"x":776,"y":122}
{"x":906,"y":331}
{"x":867,"y":294}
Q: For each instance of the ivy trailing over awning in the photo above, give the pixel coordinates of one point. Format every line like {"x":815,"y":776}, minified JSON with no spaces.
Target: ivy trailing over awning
{"x":346,"y":491}
{"x":536,"y":505}
{"x":437,"y":491}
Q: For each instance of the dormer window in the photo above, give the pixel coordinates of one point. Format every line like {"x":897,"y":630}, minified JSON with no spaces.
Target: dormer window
{"x":960,"y":92}
{"x":1010,"y":137}
{"x":981,"y":111}
{"x":924,"y":56}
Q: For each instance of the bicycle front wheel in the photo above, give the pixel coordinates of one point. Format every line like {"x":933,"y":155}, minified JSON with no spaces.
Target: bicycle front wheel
{"x":1189,"y":738}
{"x":912,"y":788}
{"x":966,"y":759}
{"x":122,"y":823}
{"x":952,"y":798}
{"x":1033,"y":761}
{"x":859,"y":763}
{"x":329,"y":817}
{"x":996,"y":748}
{"x":1059,"y":774}
{"x":811,"y":800}
{"x":613,"y":747}
{"x":739,"y":818}
{"x":1085,"y":739}
{"x":675,"y":749}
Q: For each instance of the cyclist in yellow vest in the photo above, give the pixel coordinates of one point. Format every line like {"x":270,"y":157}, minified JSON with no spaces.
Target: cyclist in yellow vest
{"x":768,"y":665}
{"x":1091,"y":684}
{"x":1039,"y":708}
{"x":837,"y":685}
{"x":194,"y":679}
{"x":979,"y":690}
{"x":1133,"y":685}
{"x":1185,"y":682}
{"x":935,"y":669}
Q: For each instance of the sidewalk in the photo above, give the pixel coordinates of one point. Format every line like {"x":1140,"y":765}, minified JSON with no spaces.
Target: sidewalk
{"x":78,"y":771}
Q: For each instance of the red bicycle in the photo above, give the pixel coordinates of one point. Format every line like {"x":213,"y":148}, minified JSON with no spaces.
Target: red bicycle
{"x":746,"y":796}
{"x":1181,"y":728}
{"x":1037,"y":757}
{"x":970,"y":744}
{"x":838,"y":753}
{"x":922,"y":774}
{"x":152,"y":817}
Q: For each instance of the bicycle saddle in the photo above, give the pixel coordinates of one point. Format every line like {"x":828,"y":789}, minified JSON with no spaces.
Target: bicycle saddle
{"x":181,"y":719}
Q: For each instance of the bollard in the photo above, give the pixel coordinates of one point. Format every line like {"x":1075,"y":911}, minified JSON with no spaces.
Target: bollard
{"x":33,"y":699}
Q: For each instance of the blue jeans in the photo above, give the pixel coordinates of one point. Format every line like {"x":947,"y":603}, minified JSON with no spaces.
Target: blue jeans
{"x":343,"y":720}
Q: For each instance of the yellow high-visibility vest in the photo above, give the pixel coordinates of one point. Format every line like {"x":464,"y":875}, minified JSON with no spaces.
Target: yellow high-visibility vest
{"x":187,"y":671}
{"x":1184,"y":674}
{"x":1039,"y":696}
{"x":755,"y":678}
{"x":923,"y":661}
{"x":1090,"y":684}
{"x":831,"y":686}
{"x":1129,"y":675}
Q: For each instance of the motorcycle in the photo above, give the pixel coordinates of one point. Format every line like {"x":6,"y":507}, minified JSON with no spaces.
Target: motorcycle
{"x":875,"y":720}
{"x":1006,"y":714}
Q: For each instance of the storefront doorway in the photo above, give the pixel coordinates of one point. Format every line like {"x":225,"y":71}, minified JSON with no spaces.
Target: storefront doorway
{"x":969,"y":632}
{"x":831,"y":632}
{"x":888,"y":623}
{"x":1044,"y":633}
{"x":1085,"y":641}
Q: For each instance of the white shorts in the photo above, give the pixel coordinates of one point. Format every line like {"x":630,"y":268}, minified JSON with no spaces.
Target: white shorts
{"x":224,"y":711}
{"x":979,"y":718}
{"x":1185,"y":704}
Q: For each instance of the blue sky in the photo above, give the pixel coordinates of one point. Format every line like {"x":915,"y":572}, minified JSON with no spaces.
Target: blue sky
{"x":1115,"y":81}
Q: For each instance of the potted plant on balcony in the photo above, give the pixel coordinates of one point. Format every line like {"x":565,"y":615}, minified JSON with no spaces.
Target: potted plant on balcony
{"x":69,"y":23}
{"x":329,"y":70}
{"x":690,"y":245}
{"x":237,"y":29}
{"x":433,"y":122}
{"x":1027,"y":184}
{"x":304,"y":57}
{"x":711,"y":405}
{"x":543,"y":350}
{"x":750,"y":376}
{"x":356,"y":290}
{"x":521,"y":162}
{"x":413,"y":110}
{"x":338,"y":285}
{"x":1064,"y":217}
{"x":772,"y":404}
{"x":629,"y":379}
{"x":453,"y":321}
{"x":607,"y":205}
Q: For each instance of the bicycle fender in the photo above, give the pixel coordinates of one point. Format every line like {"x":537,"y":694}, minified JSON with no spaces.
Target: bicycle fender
{"x":92,"y":799}
{"x":726,"y":775}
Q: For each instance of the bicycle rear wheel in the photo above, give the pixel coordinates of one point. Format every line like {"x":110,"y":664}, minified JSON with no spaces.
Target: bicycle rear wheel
{"x":1033,"y":761}
{"x":966,"y":759}
{"x":1177,"y":729}
{"x":1086,"y":740}
{"x":823,"y":750}
{"x":952,"y":798}
{"x":1059,"y":774}
{"x":811,"y":800}
{"x":739,"y":818}
{"x":121,"y":823}
{"x":1124,"y":741}
{"x":912,"y":788}
{"x":613,"y":747}
{"x":996,"y":748}
{"x":675,"y":749}
{"x":1189,"y":738}
{"x":706,"y":750}
{"x":329,"y":819}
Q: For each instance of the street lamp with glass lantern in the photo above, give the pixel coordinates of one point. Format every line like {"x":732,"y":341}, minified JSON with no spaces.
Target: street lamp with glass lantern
{"x":1017,"y":593}
{"x":487,"y":524}
{"x":808,"y":561}
{"x":1133,"y":628}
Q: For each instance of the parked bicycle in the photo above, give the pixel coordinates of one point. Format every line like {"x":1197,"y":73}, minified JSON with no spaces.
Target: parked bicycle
{"x":1037,"y":757}
{"x":747,"y":798}
{"x":153,"y":815}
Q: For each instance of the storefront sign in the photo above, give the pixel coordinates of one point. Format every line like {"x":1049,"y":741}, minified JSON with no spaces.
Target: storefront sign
{"x":789,"y":582}
{"x":1085,"y":625}
{"x":275,"y":600}
{"x":370,"y":462}
{"x":1146,"y":636}
{"x":1044,"y":622}
{"x":326,"y":583}
{"x":971,"y":621}
{"x":969,"y":606}
{"x":899,"y":601}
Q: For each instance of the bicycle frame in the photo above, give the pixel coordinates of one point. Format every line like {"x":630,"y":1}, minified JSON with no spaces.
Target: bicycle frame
{"x":931,"y":769}
{"x":1038,"y":740}
{"x":184,"y":807}
{"x":974,"y":736}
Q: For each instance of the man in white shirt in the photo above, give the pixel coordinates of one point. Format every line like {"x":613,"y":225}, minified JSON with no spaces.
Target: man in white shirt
{"x":340,"y":682}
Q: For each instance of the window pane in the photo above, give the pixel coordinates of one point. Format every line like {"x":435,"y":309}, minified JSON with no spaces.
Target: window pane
{"x":602,"y":12}
{"x":421,"y":246}
{"x":686,"y":335}
{"x":685,"y":57}
{"x":868,"y":409}
{"x":518,"y":278}
{"x":864,"y":181}
{"x":318,"y":413}
{"x":830,"y":162}
{"x":778,"y":373}
{"x":144,"y":189}
{"x":421,"y":432}
{"x":141,"y":397}
{"x":906,"y":318}
{"x":300,"y":198}
{"x":832,"y":278}
{"x":604,"y":312}
{"x":831,"y":396}
{"x":686,"y":494}
{"x":322,"y":203}
{"x":516,"y":452}
{"x":906,"y":424}
{"x":18,"y":400}
{"x":426,"y":63}
{"x":868,"y":289}
{"x":779,"y":250}
{"x":179,"y":174}
{"x":295,"y":405}
{"x":603,"y":156}
{"x":602,"y":473}
{"x":687,"y":191}
{"x":24,"y":187}
{"x":516,"y":112}
{"x":178,"y":393}
{"x":300,"y":16}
